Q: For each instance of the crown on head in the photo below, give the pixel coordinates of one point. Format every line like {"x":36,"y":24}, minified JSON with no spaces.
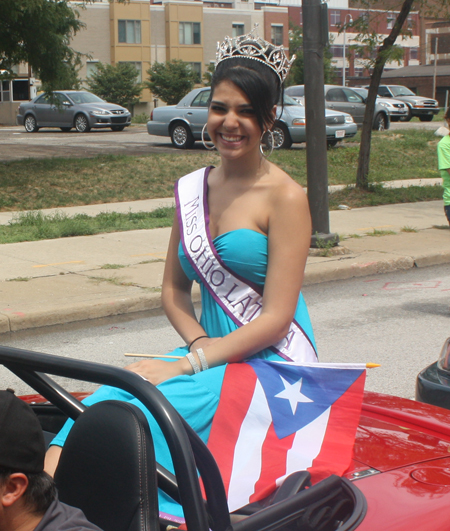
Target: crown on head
{"x":251,"y":46}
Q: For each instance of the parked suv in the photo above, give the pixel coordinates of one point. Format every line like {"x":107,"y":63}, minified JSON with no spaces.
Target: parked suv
{"x":424,"y":108}
{"x":398,"y":110}
{"x":345,"y":99}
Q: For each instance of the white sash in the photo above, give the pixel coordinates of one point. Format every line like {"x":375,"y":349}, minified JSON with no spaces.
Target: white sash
{"x":239,"y":298}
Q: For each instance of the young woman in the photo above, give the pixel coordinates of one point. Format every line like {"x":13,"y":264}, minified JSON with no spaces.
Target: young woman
{"x":243,"y":232}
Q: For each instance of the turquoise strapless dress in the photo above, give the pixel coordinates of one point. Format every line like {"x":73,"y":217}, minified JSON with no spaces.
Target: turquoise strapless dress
{"x":196,"y":397}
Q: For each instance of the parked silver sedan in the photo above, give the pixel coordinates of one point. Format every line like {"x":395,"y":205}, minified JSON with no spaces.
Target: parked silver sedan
{"x":184,"y":122}
{"x":72,"y":108}
{"x":345,"y":99}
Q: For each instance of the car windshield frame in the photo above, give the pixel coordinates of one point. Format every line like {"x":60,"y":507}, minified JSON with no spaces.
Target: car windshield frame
{"x":83,"y":97}
{"x":401,"y":91}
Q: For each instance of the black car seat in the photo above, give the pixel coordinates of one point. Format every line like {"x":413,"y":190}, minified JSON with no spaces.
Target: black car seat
{"x":108,"y":469}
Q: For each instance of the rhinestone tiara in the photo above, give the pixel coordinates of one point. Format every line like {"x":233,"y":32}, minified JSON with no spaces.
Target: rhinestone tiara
{"x":251,"y":46}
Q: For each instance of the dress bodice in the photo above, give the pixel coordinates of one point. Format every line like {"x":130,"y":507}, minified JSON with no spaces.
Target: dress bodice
{"x":244,"y":251}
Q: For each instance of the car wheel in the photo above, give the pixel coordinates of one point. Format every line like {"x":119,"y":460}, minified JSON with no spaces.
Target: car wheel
{"x":281,"y":137}
{"x":117,"y":127}
{"x":82,"y":124}
{"x":380,"y":122}
{"x":30,"y":124}
{"x":181,"y":136}
{"x":332,"y":143}
{"x":426,"y":118}
{"x":65,"y":129}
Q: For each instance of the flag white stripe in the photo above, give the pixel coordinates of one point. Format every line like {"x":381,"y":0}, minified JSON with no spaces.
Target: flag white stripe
{"x":248,"y":450}
{"x":306,"y":445}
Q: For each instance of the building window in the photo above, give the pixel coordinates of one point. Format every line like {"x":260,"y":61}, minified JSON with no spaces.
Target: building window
{"x":365,"y":17}
{"x":335,"y":17}
{"x":277,"y":35}
{"x":414,"y":54}
{"x":20,"y":90}
{"x":138,"y":66}
{"x":337,"y":50}
{"x":91,"y":68}
{"x":410,"y":22}
{"x":390,"y":21}
{"x":197,"y":69}
{"x":189,"y":32}
{"x":238,"y":29}
{"x":4,"y":90}
{"x":130,"y":31}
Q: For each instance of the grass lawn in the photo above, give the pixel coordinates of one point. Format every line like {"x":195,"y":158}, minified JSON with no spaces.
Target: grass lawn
{"x":35,"y":184}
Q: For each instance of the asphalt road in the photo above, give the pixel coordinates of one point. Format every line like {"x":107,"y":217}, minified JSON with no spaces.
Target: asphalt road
{"x":16,"y":143}
{"x":399,"y":320}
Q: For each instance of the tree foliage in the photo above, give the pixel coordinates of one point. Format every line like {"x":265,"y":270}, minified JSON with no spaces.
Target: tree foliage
{"x":296,"y":74}
{"x":378,"y":52}
{"x":170,"y":81}
{"x":116,"y":83}
{"x":38,"y":32}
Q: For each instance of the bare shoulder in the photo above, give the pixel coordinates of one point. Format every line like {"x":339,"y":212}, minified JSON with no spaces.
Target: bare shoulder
{"x":285,"y":192}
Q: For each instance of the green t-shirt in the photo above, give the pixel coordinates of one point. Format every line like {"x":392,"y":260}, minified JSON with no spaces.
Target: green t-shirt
{"x":443,"y":151}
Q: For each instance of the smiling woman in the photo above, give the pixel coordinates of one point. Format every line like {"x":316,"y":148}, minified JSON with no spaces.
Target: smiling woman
{"x":242,"y":232}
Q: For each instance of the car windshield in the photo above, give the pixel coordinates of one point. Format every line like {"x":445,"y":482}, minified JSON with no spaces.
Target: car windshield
{"x":361,"y":91}
{"x":401,"y":91}
{"x":84,"y":97}
{"x":288,"y":101}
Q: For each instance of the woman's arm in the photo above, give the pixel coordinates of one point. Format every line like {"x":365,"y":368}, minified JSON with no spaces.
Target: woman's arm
{"x":176,"y":293}
{"x":289,"y":234}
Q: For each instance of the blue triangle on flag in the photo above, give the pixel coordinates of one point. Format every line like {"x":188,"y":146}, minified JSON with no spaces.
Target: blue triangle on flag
{"x":298,"y":395}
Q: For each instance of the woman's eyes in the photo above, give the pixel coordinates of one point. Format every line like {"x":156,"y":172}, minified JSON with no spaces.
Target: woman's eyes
{"x":220,"y":109}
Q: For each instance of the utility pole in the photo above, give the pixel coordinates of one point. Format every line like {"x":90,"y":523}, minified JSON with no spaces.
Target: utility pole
{"x":435,"y":66}
{"x":315,"y":38}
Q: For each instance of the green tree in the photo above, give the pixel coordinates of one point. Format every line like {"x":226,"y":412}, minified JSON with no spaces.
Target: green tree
{"x":67,"y":78}
{"x":384,"y":50}
{"x":296,"y":74}
{"x":208,"y":73}
{"x":170,"y":81}
{"x":116,"y":83}
{"x":38,"y":32}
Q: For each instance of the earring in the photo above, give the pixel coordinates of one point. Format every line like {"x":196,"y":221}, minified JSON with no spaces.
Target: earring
{"x":203,"y":140}
{"x":268,"y":141}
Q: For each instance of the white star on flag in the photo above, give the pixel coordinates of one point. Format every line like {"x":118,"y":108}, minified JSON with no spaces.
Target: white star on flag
{"x":293,"y":393}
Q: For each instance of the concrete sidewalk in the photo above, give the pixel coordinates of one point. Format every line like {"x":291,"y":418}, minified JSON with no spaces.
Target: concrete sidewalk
{"x":71,"y":279}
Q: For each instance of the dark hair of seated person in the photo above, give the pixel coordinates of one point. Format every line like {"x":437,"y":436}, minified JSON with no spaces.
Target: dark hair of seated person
{"x":40,"y":493}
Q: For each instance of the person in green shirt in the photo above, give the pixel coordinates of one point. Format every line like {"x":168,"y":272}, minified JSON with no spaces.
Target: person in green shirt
{"x":443,"y":151}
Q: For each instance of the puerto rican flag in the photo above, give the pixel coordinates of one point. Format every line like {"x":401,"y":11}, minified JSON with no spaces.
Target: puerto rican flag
{"x":275,"y":418}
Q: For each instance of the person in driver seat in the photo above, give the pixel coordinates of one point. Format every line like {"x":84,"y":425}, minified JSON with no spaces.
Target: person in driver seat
{"x":28,"y":495}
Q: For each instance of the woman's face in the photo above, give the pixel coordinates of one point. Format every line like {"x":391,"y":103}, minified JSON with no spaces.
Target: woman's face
{"x":232,"y":123}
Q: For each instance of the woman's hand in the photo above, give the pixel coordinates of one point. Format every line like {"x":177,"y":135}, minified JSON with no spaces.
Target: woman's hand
{"x":158,"y":371}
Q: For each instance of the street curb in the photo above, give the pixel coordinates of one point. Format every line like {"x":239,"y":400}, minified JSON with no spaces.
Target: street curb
{"x":343,"y":271}
{"x":109,"y":307}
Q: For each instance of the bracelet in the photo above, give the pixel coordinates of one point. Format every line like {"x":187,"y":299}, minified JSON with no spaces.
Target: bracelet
{"x":193,"y":362}
{"x":202,"y":358}
{"x":192,"y":342}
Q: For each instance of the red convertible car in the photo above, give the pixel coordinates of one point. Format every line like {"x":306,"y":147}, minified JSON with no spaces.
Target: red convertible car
{"x":399,"y":478}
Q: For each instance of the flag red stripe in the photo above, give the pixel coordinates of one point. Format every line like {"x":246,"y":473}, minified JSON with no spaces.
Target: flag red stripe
{"x":234,"y":402}
{"x":273,"y":463}
{"x":337,"y":448}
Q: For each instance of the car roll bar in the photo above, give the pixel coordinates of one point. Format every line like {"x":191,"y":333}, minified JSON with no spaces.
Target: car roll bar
{"x":21,"y":361}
